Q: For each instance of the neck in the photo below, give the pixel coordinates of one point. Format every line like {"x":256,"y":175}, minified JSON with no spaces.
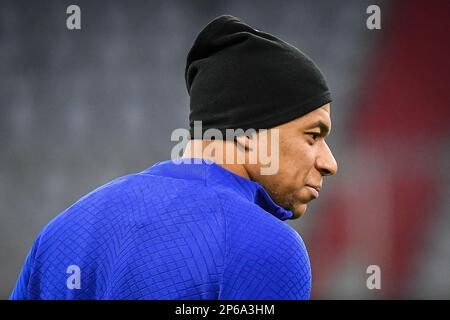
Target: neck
{"x":216,"y":151}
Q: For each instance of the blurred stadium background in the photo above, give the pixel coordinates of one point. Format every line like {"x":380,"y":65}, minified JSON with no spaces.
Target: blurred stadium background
{"x":79,"y":108}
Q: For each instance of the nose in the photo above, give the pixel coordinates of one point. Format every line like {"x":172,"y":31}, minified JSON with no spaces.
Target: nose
{"x":325,"y":162}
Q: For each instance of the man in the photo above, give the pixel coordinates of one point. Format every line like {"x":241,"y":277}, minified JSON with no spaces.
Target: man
{"x":202,"y":228}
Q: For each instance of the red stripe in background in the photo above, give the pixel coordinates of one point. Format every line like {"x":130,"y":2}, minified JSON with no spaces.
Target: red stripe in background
{"x":403,"y":117}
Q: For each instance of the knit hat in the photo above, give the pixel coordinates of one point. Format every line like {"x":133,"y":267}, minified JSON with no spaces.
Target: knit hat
{"x":240,"y":77}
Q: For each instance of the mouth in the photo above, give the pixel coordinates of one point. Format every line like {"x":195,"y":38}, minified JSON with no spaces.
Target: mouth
{"x":315,"y":190}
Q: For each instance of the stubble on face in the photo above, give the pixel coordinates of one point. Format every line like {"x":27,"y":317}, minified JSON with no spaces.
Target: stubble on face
{"x":288,"y":188}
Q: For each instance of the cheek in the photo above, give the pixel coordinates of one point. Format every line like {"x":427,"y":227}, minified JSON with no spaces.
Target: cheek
{"x":296,"y":159}
{"x":295,"y":162}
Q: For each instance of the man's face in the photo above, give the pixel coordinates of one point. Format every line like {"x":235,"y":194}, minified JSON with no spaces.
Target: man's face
{"x":304,"y":159}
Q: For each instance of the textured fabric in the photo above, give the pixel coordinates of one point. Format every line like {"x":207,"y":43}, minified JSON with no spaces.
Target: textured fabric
{"x":240,"y":77}
{"x":173,"y":231}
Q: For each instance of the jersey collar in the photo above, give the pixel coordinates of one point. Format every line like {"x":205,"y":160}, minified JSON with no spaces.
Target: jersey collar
{"x":213,"y":174}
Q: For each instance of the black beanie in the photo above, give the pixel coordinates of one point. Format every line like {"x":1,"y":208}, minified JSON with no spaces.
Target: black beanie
{"x":240,"y":77}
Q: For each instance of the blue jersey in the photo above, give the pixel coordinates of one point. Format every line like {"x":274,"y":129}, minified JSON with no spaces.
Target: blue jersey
{"x":172,"y":231}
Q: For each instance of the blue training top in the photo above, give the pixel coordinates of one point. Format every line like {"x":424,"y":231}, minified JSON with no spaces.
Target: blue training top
{"x":172,"y":231}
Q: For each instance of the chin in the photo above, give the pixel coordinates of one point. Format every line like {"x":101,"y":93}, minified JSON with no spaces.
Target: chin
{"x":298,"y":210}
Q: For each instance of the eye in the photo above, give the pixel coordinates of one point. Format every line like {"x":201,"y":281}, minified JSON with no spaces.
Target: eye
{"x":313,"y":135}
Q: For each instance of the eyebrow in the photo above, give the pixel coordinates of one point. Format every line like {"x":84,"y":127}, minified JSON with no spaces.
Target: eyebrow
{"x":324,"y":129}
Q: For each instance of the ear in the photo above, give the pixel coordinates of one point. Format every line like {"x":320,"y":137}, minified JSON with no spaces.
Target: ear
{"x":243,"y":143}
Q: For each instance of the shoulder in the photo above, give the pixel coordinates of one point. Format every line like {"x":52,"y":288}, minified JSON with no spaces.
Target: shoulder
{"x":249,"y":228}
{"x":244,"y":215}
{"x":138,"y":198}
{"x":138,"y":208}
{"x":265,"y":257}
